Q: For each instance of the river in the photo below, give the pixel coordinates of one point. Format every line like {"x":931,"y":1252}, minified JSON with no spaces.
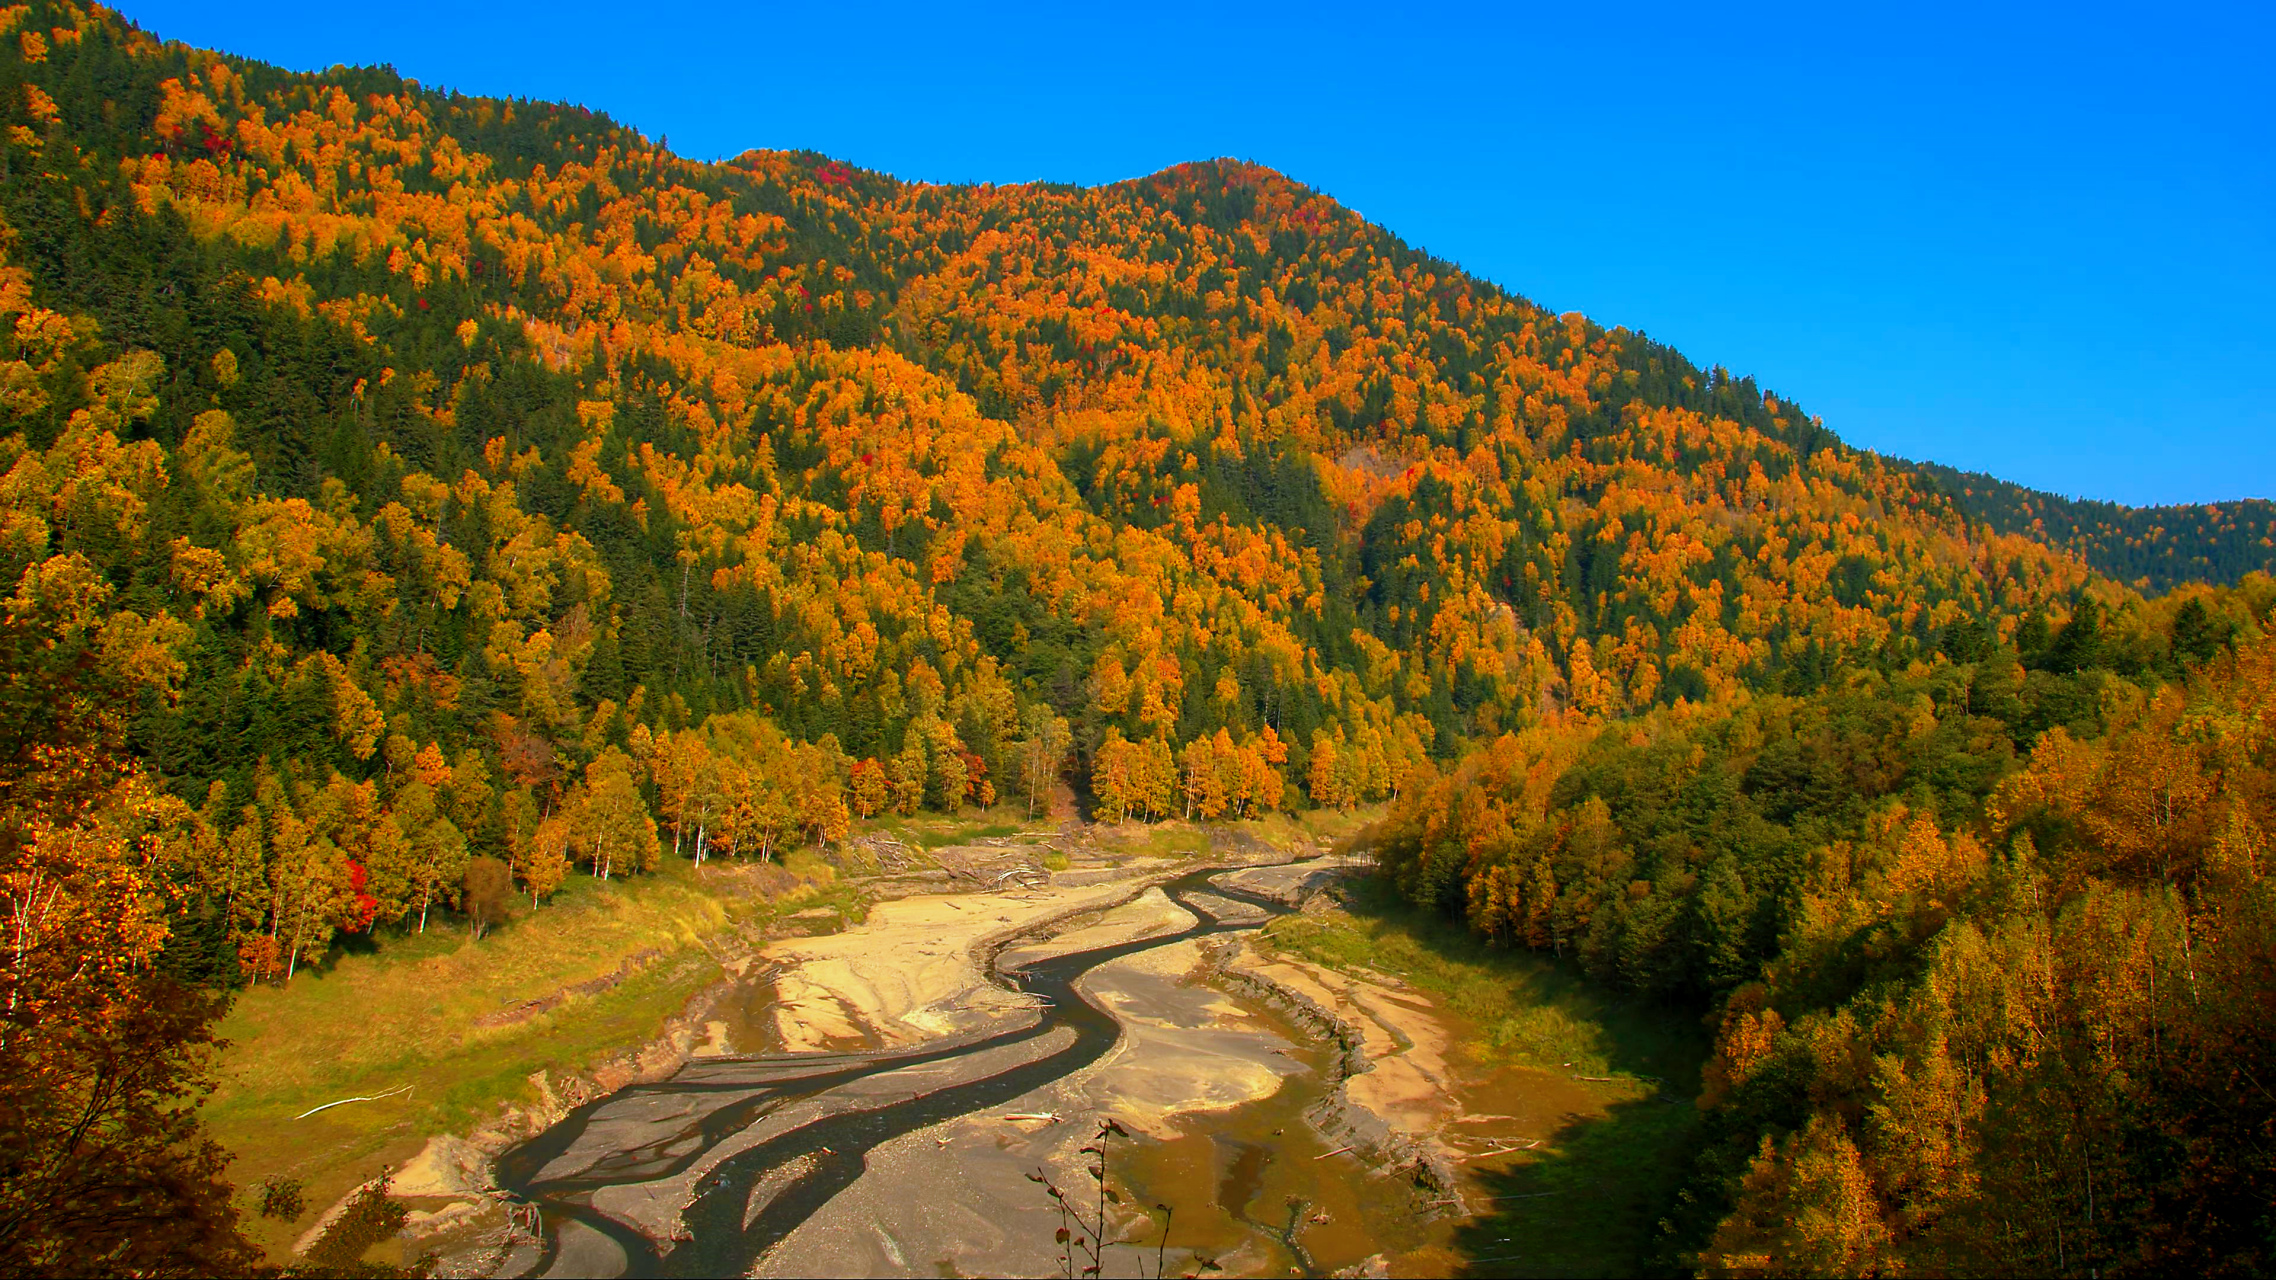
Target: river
{"x":777,"y":1137}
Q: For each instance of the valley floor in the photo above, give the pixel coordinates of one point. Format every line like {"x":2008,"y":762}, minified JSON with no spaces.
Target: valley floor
{"x":437,"y":1033}
{"x":1502,"y":1119}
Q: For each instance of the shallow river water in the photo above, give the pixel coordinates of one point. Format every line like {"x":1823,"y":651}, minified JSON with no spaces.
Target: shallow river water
{"x":772,"y":1140}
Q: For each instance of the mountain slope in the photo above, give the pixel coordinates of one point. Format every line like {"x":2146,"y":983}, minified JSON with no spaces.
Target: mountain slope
{"x":408,"y":500}
{"x":492,"y":427}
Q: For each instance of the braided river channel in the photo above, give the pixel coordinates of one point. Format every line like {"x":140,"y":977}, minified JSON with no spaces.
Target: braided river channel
{"x":708,"y":1172}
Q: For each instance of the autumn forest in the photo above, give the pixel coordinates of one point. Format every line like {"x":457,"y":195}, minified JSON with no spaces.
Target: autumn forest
{"x":410,"y":501}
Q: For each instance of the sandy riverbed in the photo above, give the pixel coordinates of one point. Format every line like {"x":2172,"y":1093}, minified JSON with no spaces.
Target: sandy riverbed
{"x":912,"y":971}
{"x":957,"y":1195}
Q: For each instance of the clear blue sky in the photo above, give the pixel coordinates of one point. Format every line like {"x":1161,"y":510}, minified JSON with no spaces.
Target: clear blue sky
{"x":2039,"y":242}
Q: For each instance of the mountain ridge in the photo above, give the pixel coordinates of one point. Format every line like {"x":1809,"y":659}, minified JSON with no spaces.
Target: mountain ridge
{"x":1307,"y":331}
{"x":1264,"y":398}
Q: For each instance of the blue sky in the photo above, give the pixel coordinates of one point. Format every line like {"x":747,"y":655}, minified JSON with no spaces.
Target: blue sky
{"x":2038,"y":241}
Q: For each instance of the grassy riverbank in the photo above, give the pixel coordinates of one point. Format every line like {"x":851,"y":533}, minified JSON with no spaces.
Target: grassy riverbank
{"x":1589,"y":1201}
{"x":403,"y":1015}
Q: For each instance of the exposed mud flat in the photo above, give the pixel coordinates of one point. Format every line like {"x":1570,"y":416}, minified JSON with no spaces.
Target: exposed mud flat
{"x":1263,"y":1188}
{"x":1150,"y":915}
{"x":1404,"y":1042}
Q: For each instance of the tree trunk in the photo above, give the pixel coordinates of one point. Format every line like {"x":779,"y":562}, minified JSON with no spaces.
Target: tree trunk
{"x":2188,"y":960}
{"x":229,"y":901}
{"x":300,"y":922}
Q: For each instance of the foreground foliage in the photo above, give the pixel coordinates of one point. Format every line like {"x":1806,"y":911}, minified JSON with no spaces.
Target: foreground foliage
{"x":103,"y":1167}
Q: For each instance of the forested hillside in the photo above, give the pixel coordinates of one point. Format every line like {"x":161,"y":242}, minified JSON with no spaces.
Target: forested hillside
{"x":1989,"y":941}
{"x":409,"y":500}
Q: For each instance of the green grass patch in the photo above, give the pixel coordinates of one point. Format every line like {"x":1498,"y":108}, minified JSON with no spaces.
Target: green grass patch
{"x":939,"y":831}
{"x":1590,"y":1202}
{"x":1332,"y":824}
{"x":406,"y":1010}
{"x":1172,"y":838}
{"x":941,"y":838}
{"x":1302,"y":832}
